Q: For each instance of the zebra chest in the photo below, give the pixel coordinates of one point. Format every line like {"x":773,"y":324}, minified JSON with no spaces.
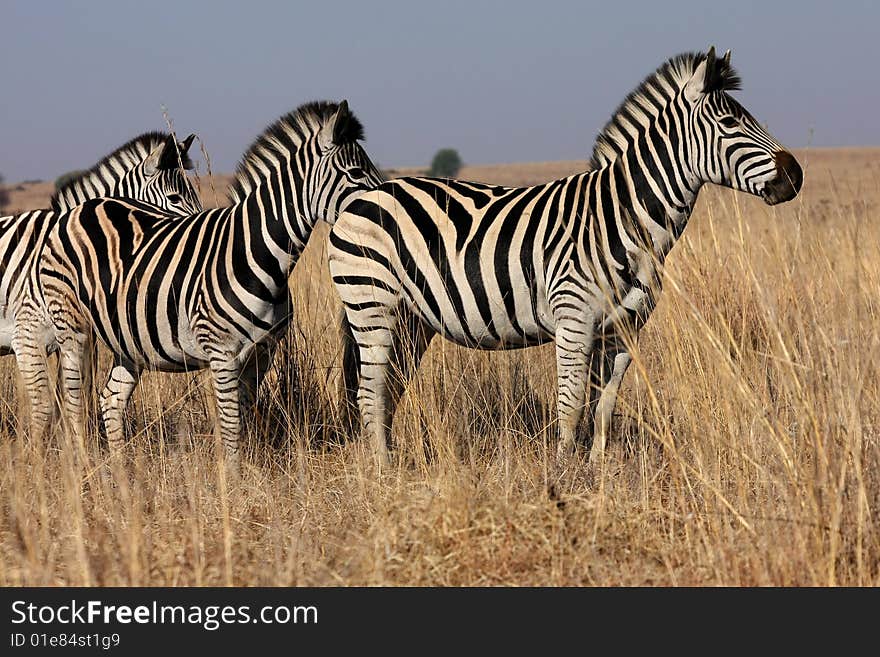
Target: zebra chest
{"x":632,"y":303}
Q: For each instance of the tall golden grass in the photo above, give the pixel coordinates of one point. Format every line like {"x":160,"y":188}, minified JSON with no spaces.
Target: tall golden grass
{"x":745,"y":448}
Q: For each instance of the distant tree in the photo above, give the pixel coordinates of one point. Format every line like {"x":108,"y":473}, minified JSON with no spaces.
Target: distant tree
{"x":4,"y":194}
{"x":65,"y":178}
{"x":446,"y":163}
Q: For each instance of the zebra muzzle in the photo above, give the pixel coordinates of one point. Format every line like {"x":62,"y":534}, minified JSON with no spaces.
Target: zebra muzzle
{"x":788,"y":181}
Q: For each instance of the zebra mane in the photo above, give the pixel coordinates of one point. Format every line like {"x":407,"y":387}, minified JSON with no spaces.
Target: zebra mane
{"x":284,"y":137}
{"x":656,"y":89}
{"x":113,"y":167}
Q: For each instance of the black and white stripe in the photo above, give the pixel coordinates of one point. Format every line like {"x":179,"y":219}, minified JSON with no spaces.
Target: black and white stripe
{"x":149,"y":168}
{"x":205,"y":291}
{"x":576,"y":260}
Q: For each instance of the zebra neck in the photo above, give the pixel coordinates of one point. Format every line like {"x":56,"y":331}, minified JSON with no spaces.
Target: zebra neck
{"x":659,"y":203}
{"x":277,"y":227}
{"x":91,"y":185}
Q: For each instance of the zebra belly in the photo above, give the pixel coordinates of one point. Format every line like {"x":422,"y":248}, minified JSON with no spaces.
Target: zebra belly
{"x":160,"y":351}
{"x":180,"y":352}
{"x":513,"y":342}
{"x":270,"y":323}
{"x":483,"y":316}
{"x":187,"y":357}
{"x":479,"y":335}
{"x":168,"y":360}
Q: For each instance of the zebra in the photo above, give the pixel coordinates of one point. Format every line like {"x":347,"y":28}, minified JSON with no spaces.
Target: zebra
{"x":209,"y":290}
{"x":151,"y":168}
{"x":576,"y":261}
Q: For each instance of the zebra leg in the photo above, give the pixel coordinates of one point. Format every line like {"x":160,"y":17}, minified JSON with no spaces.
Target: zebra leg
{"x":253,"y":372}
{"x":350,"y":374}
{"x":410,"y":344}
{"x":225,"y":373}
{"x":373,"y":331}
{"x":73,"y":345}
{"x":261,"y":358}
{"x":409,"y":340}
{"x":601,"y":367}
{"x":615,"y":362}
{"x":114,"y":398}
{"x":72,"y":332}
{"x":33,"y":364}
{"x":574,"y":344}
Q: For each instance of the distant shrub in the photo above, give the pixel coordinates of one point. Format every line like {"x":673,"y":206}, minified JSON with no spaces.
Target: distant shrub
{"x":4,"y":195}
{"x":65,"y":178}
{"x":446,"y":163}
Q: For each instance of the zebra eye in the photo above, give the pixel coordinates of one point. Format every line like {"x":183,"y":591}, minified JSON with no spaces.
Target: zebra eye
{"x":357,"y":172}
{"x":729,"y":122}
{"x":174,"y":198}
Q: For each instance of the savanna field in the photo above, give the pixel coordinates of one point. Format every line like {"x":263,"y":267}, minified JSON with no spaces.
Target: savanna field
{"x":745,"y":450}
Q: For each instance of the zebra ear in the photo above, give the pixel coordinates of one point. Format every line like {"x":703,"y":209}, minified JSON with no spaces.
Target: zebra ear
{"x":169,"y":159}
{"x":331,"y":133}
{"x":151,"y":164}
{"x":185,"y":144}
{"x":725,"y":61}
{"x":184,"y":147}
{"x":699,"y":82}
{"x":343,"y":116}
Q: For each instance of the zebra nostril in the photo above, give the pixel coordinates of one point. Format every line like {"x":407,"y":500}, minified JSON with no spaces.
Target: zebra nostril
{"x":789,"y":170}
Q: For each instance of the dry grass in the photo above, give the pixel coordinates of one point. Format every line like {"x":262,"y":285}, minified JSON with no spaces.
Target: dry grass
{"x":746,"y":451}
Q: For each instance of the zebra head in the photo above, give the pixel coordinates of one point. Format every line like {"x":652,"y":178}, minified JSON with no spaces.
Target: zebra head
{"x":729,"y":147}
{"x":161,"y":178}
{"x":343,"y":169}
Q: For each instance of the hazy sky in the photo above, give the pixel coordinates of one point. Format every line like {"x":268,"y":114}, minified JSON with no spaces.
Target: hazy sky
{"x":499,"y":81}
